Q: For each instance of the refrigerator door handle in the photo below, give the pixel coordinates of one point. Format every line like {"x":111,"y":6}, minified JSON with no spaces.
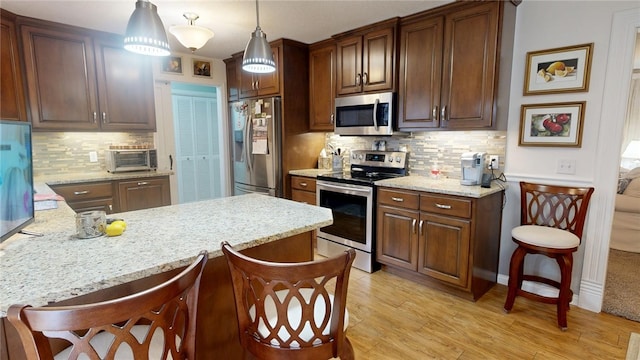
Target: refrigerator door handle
{"x":248,"y":138}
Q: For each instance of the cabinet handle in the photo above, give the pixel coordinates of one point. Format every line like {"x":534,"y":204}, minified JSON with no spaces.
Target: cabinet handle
{"x":143,"y":183}
{"x":440,"y":206}
{"x":85,"y":192}
{"x":413,"y":225}
{"x":443,"y":113}
{"x":397,"y":199}
{"x":358,"y":80}
{"x":104,"y":117}
{"x":365,"y":79}
{"x":434,"y":113}
{"x":110,"y":207}
{"x":332,"y":118}
{"x":303,"y":184}
{"x":95,"y":116}
{"x":420,"y":227}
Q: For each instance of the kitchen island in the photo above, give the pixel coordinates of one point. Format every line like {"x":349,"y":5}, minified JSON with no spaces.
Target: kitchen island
{"x":62,"y":269}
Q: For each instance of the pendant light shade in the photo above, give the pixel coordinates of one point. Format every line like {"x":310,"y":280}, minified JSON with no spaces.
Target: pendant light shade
{"x":258,"y":57}
{"x":191,"y":36}
{"x":145,"y":32}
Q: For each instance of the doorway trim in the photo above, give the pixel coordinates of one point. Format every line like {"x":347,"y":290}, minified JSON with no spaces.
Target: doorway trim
{"x":614,"y":108}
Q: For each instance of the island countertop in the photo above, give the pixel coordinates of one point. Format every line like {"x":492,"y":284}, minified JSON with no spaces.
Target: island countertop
{"x":59,"y":266}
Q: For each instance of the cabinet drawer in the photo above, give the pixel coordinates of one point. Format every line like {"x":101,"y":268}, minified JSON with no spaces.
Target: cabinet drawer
{"x":303,"y":183}
{"x":303,"y":196}
{"x":445,"y":205}
{"x":403,"y":199}
{"x":84,"y":191}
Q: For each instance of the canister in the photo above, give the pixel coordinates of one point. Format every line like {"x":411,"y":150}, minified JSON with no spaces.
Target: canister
{"x":90,"y":224}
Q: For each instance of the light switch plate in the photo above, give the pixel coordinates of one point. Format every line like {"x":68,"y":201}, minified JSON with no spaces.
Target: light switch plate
{"x":566,"y":166}
{"x":93,"y":156}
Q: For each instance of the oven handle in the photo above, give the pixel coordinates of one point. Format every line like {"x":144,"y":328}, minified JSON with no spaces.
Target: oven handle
{"x":344,"y":189}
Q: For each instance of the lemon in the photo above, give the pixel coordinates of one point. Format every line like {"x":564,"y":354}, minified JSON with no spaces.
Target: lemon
{"x":558,"y":65}
{"x":114,"y":229}
{"x":121,"y":223}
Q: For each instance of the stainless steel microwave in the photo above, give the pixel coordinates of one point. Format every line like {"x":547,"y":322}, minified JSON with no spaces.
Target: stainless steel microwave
{"x":122,"y":160}
{"x":367,"y":114}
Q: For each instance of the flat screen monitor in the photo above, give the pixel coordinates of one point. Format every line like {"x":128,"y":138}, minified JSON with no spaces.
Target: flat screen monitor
{"x":16,"y":177}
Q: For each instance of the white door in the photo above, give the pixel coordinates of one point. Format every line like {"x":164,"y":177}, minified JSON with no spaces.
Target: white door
{"x":198,"y":142}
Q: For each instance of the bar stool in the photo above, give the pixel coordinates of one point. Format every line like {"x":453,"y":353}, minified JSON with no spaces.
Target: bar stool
{"x":290,"y":311}
{"x":157,"y":323}
{"x":552,"y":219}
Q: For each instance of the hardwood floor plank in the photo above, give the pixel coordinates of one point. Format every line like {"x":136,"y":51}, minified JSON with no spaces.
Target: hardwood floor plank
{"x":396,"y":319}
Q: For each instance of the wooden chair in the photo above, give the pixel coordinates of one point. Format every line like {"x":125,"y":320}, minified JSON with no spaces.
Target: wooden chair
{"x":286,"y":311}
{"x":157,"y":323}
{"x":552,"y":219}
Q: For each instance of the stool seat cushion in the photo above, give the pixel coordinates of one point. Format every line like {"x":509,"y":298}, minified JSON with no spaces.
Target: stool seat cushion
{"x":545,"y":236}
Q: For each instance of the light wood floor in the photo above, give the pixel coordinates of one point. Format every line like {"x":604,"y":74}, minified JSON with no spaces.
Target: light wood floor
{"x":392,"y":318}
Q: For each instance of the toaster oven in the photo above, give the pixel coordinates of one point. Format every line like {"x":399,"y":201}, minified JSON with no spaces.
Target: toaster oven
{"x":121,"y":160}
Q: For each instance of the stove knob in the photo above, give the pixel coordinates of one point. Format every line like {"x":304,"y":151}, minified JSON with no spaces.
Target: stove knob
{"x":390,"y":158}
{"x":398,"y":159}
{"x":354,"y":155}
{"x":360,"y":156}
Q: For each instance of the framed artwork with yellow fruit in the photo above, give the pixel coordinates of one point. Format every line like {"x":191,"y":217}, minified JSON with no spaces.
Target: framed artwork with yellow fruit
{"x":558,"y":70}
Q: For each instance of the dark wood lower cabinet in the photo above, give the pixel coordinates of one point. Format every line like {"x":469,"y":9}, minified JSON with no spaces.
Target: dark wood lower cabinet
{"x":444,"y":241}
{"x":143,"y":193}
{"x":217,"y":326}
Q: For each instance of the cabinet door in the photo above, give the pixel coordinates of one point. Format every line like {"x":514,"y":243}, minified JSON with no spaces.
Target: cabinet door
{"x":125,"y":88}
{"x":420,"y":74}
{"x":397,"y":239}
{"x":349,"y":66}
{"x":378,"y":60}
{"x":143,"y":193}
{"x":322,"y":87}
{"x":60,"y":74}
{"x":269,"y":84}
{"x":444,"y":248}
{"x":469,"y":75}
{"x":12,"y":97}
{"x":233,"y":81}
{"x":105,"y":205}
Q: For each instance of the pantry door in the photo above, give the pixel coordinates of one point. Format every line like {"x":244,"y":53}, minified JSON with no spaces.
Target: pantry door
{"x":199,"y":144}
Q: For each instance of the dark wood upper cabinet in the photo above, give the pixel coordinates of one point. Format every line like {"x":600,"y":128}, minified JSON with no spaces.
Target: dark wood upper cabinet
{"x":449,"y":66}
{"x":233,"y":82}
{"x":322,"y":62}
{"x":365,"y":59}
{"x":81,"y":81}
{"x":12,"y":98}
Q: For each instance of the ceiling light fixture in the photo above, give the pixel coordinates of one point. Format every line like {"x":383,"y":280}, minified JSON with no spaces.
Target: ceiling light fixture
{"x":145,"y":32}
{"x":258,"y":57}
{"x":191,"y":36}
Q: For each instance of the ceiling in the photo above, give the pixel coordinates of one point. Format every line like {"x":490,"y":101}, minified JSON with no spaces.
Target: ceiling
{"x":232,"y":21}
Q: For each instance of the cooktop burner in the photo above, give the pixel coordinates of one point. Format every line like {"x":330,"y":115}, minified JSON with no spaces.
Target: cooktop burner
{"x":370,"y":166}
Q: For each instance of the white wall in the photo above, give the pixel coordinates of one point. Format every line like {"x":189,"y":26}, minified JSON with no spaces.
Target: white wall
{"x":544,"y":25}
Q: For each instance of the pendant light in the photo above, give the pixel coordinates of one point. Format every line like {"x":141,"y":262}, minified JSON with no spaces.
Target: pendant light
{"x":258,"y":56}
{"x":145,"y":32}
{"x":191,"y":36}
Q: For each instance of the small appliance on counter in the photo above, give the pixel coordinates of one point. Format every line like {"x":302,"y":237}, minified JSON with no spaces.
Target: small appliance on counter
{"x":472,"y":164}
{"x":131,"y":159}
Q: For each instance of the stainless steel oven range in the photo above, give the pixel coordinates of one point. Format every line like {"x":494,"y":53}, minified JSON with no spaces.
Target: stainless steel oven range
{"x":351,"y":197}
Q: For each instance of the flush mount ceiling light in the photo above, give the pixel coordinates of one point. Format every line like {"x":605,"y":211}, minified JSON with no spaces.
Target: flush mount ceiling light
{"x":191,"y":36}
{"x":145,"y":32}
{"x":258,"y":57}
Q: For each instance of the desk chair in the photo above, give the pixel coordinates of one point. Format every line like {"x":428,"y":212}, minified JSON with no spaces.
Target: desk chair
{"x":157,"y":323}
{"x":285,"y":310}
{"x":551,"y":223}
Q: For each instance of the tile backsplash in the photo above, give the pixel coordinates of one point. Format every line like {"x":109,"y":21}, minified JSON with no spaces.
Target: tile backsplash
{"x":442,"y":148}
{"x":68,"y":152}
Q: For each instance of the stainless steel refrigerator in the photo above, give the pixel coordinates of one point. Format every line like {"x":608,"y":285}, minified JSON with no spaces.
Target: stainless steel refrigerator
{"x":257,"y":141}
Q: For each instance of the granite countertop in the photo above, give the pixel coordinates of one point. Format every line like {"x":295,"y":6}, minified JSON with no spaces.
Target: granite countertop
{"x":310,"y":172}
{"x":440,"y":186}
{"x":58,"y":266}
{"x":70,"y":178}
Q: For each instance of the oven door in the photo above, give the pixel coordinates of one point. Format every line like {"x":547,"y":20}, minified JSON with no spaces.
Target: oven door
{"x":352,"y":208}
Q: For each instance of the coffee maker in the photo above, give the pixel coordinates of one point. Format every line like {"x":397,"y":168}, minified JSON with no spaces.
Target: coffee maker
{"x":472,"y":164}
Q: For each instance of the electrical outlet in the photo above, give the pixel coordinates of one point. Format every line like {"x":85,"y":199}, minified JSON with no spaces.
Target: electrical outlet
{"x":566,"y":166}
{"x":494,"y":162}
{"x":93,"y":156}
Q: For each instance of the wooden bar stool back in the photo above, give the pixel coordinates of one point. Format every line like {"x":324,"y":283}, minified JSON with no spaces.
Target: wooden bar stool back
{"x":157,"y":323}
{"x":552,"y":219}
{"x":292,"y":310}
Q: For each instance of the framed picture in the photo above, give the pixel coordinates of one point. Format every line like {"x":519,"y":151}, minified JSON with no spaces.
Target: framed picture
{"x":201,"y":68}
{"x":558,"y":124}
{"x":559,"y":70}
{"x":172,"y":65}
